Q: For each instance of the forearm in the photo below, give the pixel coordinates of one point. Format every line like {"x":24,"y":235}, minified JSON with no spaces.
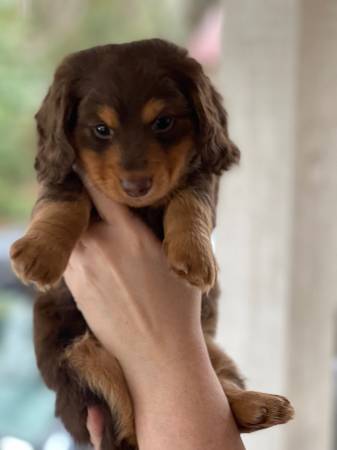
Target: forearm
{"x":180,"y":404}
{"x":151,"y":324}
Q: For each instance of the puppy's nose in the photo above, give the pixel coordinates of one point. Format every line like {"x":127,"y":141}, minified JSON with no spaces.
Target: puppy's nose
{"x":136,"y":187}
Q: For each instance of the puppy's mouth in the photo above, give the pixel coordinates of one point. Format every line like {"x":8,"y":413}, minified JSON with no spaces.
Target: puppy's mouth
{"x":141,"y":190}
{"x":135,"y":191}
{"x":138,"y":192}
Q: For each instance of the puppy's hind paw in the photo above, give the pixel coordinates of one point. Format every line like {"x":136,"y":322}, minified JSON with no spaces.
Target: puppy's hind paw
{"x":255,"y":411}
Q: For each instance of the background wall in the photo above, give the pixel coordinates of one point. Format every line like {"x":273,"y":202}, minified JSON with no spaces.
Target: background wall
{"x":277,"y":238}
{"x":275,"y":63}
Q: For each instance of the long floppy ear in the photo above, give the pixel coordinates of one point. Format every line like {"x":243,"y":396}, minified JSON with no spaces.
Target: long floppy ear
{"x":218,"y":152}
{"x":55,"y":155}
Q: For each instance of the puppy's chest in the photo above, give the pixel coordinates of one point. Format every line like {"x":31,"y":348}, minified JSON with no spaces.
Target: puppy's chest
{"x":153,"y":217}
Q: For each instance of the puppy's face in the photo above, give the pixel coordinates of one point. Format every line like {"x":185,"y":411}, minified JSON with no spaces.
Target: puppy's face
{"x":137,"y":117}
{"x":135,"y":140}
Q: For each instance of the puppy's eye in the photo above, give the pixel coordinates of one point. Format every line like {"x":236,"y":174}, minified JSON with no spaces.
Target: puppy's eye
{"x":102,"y":131}
{"x":163,"y":124}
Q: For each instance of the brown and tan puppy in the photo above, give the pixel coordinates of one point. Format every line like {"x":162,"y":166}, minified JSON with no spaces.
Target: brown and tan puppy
{"x":147,"y":127}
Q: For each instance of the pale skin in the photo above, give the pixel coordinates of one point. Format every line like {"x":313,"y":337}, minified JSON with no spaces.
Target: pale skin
{"x":149,"y":319}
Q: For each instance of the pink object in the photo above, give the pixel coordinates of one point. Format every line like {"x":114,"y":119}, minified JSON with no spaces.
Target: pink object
{"x":205,"y":43}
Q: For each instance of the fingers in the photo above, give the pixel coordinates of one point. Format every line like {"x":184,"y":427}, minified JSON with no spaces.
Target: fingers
{"x":76,"y":270}
{"x":108,"y":210}
{"x":95,"y":424}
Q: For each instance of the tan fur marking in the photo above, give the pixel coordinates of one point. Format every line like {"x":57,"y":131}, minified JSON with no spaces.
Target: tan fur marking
{"x":187,"y":227}
{"x":67,"y":219}
{"x":109,"y":116}
{"x":252,"y":410}
{"x":102,"y":373}
{"x":256,"y":410}
{"x":165,"y":167}
{"x":42,"y":254}
{"x":177,"y":157}
{"x":151,"y":109}
{"x":103,"y":169}
{"x":188,"y":211}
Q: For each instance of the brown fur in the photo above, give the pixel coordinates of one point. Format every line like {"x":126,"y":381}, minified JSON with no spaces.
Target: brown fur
{"x":94,"y":366}
{"x":105,"y":171}
{"x":252,"y":410}
{"x":152,"y":109}
{"x":187,"y":228}
{"x":109,"y":116}
{"x":129,"y":87}
{"x":54,"y":230}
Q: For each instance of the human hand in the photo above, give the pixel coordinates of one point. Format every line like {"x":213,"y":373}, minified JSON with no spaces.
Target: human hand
{"x":149,"y":318}
{"x":95,"y":426}
{"x":135,"y":305}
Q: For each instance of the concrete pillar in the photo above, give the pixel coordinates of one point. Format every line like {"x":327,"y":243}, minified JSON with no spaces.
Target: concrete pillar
{"x":277,"y":234}
{"x":255,"y":220}
{"x":314,"y":268}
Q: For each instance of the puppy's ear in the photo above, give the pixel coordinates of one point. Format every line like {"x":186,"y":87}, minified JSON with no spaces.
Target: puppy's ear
{"x":55,"y":155}
{"x":218,"y":152}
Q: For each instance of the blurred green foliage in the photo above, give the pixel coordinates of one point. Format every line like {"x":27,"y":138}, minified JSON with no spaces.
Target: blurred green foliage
{"x":34,"y":36}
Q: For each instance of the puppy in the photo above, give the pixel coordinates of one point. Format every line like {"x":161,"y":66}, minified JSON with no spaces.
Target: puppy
{"x":145,"y":124}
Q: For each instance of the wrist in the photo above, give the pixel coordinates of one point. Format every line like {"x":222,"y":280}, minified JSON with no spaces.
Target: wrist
{"x":165,"y":363}
{"x":179,"y":402}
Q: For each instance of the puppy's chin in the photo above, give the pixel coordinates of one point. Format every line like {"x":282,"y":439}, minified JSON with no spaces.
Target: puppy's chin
{"x":153,"y":197}
{"x":150,"y":199}
{"x":157,"y":195}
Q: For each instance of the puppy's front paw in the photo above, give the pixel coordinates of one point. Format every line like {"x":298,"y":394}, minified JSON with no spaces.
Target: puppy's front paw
{"x":192,"y":258}
{"x":255,"y":410}
{"x":38,"y":260}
